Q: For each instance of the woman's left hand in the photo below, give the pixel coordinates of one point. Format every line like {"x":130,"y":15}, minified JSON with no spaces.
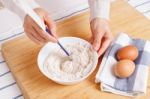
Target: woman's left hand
{"x":101,"y":35}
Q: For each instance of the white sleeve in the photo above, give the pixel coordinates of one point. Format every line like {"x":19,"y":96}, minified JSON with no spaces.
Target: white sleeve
{"x":99,"y":8}
{"x":16,"y":7}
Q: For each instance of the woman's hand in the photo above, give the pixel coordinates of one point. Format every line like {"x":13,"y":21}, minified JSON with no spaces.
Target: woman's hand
{"x":35,"y":33}
{"x":101,"y":35}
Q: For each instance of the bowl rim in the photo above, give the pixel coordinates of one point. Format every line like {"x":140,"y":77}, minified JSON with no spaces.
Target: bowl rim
{"x":64,"y":81}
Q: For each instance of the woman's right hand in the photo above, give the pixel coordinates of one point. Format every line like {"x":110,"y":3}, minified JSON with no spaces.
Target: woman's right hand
{"x":35,"y":33}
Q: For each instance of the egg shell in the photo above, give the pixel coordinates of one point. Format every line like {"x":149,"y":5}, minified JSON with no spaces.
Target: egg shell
{"x":127,"y":52}
{"x":124,"y":68}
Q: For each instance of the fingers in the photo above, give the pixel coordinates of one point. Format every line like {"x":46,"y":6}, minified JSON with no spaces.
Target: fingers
{"x":35,"y":33}
{"x":104,"y":46}
{"x":101,"y":41}
{"x":33,"y":38}
{"x":43,"y":34}
{"x":97,"y":41}
{"x":107,"y":38}
{"x":51,"y":25}
{"x":91,"y":39}
{"x":31,"y":33}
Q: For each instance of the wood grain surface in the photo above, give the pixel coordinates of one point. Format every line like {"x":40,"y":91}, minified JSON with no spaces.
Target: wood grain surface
{"x":21,"y":56}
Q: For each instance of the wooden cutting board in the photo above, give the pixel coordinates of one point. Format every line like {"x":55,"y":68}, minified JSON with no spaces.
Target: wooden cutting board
{"x":21,"y":56}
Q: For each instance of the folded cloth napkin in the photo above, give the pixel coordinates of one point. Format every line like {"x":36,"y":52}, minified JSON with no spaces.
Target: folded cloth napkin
{"x":134,"y":85}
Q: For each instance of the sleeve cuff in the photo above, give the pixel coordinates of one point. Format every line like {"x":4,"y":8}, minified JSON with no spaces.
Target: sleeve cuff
{"x":32,"y":4}
{"x":16,"y":7}
{"x":99,"y":8}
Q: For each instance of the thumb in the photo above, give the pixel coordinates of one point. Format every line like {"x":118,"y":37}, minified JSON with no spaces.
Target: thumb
{"x":96,"y":42}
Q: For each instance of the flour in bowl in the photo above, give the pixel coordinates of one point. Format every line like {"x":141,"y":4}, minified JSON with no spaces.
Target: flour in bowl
{"x":77,"y":65}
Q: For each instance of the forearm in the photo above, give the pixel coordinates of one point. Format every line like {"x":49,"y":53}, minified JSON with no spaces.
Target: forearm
{"x":99,"y":8}
{"x":16,"y":7}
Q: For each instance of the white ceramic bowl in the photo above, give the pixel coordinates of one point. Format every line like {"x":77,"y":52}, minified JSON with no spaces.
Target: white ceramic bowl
{"x":49,"y":46}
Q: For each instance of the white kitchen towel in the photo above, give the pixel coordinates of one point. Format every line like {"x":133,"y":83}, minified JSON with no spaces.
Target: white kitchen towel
{"x":134,"y":85}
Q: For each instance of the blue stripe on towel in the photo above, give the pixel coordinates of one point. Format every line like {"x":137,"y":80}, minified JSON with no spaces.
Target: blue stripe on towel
{"x":142,"y":4}
{"x":146,"y":11}
{"x":138,"y":45}
{"x":4,"y":73}
{"x":71,"y":14}
{"x":143,"y":58}
{"x":16,"y":97}
{"x":11,"y":36}
{"x":2,"y":62}
{"x":7,"y":86}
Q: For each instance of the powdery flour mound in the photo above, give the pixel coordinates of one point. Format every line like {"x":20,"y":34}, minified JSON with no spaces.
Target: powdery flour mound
{"x":79,"y":64}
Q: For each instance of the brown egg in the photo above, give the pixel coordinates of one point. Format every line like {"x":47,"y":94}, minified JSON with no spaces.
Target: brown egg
{"x":127,"y":52}
{"x":124,"y":68}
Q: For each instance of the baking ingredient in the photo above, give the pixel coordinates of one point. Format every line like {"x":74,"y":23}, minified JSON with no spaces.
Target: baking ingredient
{"x":127,"y":52}
{"x":124,"y":68}
{"x":62,"y":68}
